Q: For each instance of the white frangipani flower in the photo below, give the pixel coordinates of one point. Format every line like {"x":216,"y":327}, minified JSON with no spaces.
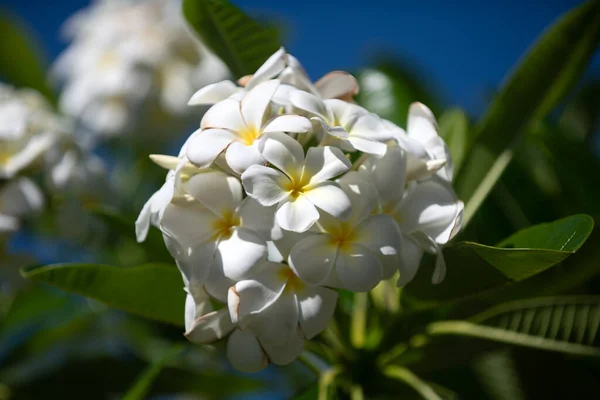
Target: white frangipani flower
{"x":235,"y":126}
{"x":28,"y":128}
{"x":301,"y":185}
{"x":130,"y":59}
{"x":428,"y":213}
{"x":354,"y":254}
{"x":349,"y":124}
{"x":288,"y":70}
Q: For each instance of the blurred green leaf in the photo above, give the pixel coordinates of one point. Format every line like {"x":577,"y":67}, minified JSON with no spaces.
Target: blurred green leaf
{"x":406,"y":376}
{"x":143,"y":383}
{"x":21,"y":64}
{"x":474,"y":268}
{"x":541,"y":80}
{"x":237,"y":39}
{"x":562,"y":324}
{"x":454,"y":129}
{"x":390,"y":87}
{"x":153,"y":291}
{"x":309,"y":394}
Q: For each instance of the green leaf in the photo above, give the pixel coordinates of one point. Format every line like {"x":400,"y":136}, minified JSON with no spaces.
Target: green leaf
{"x":566,"y":234}
{"x":389,"y":88}
{"x":562,"y":324}
{"x":21,"y":64}
{"x":474,"y":268}
{"x":406,"y":376}
{"x":152,"y":290}
{"x":546,"y":74}
{"x":143,"y":383}
{"x":233,"y":36}
{"x":454,"y":129}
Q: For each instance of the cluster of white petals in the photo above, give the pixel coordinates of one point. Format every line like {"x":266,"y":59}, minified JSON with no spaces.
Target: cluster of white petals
{"x":128,"y":59}
{"x":289,"y":191}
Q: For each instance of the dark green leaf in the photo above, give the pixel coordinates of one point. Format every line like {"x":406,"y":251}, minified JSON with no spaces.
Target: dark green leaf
{"x":562,"y":324}
{"x":21,"y":63}
{"x":233,"y":36}
{"x":143,"y":383}
{"x":454,"y":129}
{"x":474,"y":268}
{"x":153,"y":291}
{"x":567,"y":234}
{"x":546,"y":74}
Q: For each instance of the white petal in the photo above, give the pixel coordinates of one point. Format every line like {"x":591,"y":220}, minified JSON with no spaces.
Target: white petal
{"x":259,"y":218}
{"x":195,"y":262}
{"x":337,"y":85}
{"x":225,"y":114}
{"x":251,"y":296}
{"x":362,"y":195}
{"x":430,"y":207}
{"x":270,"y":69}
{"x":217,"y":285}
{"x":284,"y":152}
{"x":245,"y":353}
{"x":422,"y":168}
{"x":429,"y":245}
{"x":189,"y":225}
{"x":309,"y":104}
{"x":367,"y":145}
{"x":278,"y":322}
{"x":215,"y":190}
{"x":285,"y":354}
{"x":330,"y":198}
{"x":312,"y":258}
{"x":240,"y":157}
{"x":289,"y":123}
{"x":196,"y":305}
{"x":297,"y":215}
{"x":213,"y":93}
{"x":256,"y":103}
{"x":210,"y":327}
{"x":242,"y":253}
{"x":206,"y":146}
{"x":370,"y":126}
{"x":317,"y":305}
{"x":323,"y":163}
{"x":387,"y":174}
{"x":264,"y":184}
{"x":409,"y":261}
{"x":357,"y":268}
{"x":421,"y":123}
{"x":380,"y":234}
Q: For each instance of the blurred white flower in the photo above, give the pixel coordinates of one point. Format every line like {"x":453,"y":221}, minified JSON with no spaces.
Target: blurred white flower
{"x":28,"y":128}
{"x":132,"y":65}
{"x":301,"y":185}
{"x":18,"y":198}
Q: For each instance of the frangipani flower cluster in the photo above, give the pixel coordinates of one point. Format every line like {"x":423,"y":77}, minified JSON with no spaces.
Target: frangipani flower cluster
{"x":128,"y":59}
{"x":289,"y":191}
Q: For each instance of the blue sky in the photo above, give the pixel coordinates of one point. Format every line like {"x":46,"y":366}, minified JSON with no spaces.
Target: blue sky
{"x":465,"y":47}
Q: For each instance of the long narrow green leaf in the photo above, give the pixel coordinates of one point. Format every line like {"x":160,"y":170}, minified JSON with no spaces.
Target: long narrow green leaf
{"x":143,"y":383}
{"x":406,"y":376}
{"x":21,"y":64}
{"x":454,"y":129}
{"x":474,"y":268}
{"x":562,"y":324}
{"x":152,"y":290}
{"x":544,"y":76}
{"x":233,"y":36}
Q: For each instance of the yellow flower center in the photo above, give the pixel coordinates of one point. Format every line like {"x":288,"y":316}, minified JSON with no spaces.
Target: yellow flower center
{"x":294,"y":187}
{"x":5,"y":156}
{"x":223,"y":227}
{"x":294,"y":284}
{"x":249,"y":135}
{"x":342,"y":236}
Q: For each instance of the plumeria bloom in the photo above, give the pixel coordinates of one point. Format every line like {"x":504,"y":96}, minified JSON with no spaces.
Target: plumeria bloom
{"x":354,"y":254}
{"x":131,"y":58}
{"x":288,"y":70}
{"x":350,"y":125}
{"x":234,"y":126}
{"x":427,"y":153}
{"x":28,"y":128}
{"x":428,"y":213}
{"x":18,"y":198}
{"x":301,"y":185}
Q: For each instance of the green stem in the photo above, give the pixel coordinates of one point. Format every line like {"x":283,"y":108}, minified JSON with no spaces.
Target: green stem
{"x":359,"y":320}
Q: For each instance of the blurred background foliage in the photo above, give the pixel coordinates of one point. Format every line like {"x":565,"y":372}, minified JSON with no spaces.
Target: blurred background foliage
{"x":61,"y":345}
